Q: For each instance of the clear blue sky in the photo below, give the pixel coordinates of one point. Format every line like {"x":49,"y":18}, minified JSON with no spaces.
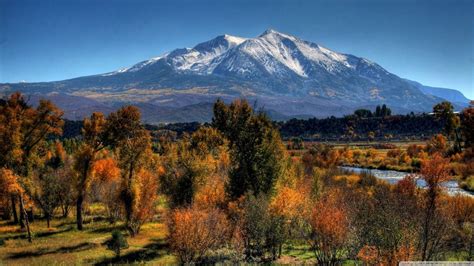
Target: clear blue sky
{"x":429,"y":41}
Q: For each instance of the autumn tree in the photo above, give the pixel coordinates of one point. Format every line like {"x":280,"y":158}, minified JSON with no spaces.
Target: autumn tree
{"x":191,"y":163}
{"x":434,"y":172}
{"x":255,"y":146}
{"x":444,"y":111}
{"x":132,"y":145}
{"x":9,"y":185}
{"x":437,"y":144}
{"x":291,"y":207}
{"x":143,"y":195}
{"x":22,"y":130}
{"x":207,"y":140}
{"x":461,"y":209}
{"x":46,"y":188}
{"x":107,"y":182}
{"x":385,"y":224}
{"x":329,"y":229}
{"x":93,"y":142}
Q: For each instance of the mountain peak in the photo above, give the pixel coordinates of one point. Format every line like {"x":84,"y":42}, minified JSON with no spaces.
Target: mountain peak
{"x":274,"y":32}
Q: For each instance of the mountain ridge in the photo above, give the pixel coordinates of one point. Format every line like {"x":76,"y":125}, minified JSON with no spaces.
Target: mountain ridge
{"x":287,"y":75}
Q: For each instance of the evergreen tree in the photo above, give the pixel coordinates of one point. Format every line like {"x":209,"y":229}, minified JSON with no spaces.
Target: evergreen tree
{"x":378,"y":111}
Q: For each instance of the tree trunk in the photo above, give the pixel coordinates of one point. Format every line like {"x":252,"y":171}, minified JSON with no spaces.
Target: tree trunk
{"x":25,"y":216}
{"x":128,"y":200}
{"x":15,"y":214}
{"x":427,"y":224}
{"x":31,"y":216}
{"x":48,"y":220}
{"x":22,"y":213}
{"x":80,"y":200}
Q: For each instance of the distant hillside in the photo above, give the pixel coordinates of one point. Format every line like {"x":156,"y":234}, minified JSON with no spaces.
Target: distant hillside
{"x":451,"y":95}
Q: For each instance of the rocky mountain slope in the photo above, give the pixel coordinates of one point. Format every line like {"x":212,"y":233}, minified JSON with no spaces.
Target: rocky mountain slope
{"x":280,"y":73}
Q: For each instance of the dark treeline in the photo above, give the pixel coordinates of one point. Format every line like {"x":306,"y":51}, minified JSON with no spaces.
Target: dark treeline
{"x":359,"y":128}
{"x":352,"y":127}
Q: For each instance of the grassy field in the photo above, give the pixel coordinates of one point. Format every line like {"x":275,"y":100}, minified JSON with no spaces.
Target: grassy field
{"x":62,"y":244}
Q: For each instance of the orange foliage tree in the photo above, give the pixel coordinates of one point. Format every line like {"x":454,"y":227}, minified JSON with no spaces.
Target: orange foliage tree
{"x":329,"y":229}
{"x":8,"y":183}
{"x":93,"y":142}
{"x":106,"y":175}
{"x":144,"y":189}
{"x":22,"y":130}
{"x":434,"y":172}
{"x":132,"y":145}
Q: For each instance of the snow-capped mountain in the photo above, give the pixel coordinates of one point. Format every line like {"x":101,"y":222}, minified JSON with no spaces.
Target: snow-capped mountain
{"x":283,"y":73}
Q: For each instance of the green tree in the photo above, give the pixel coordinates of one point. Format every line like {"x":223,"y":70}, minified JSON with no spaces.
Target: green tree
{"x":262,"y":231}
{"x":363,"y":113}
{"x":378,"y":112}
{"x":467,"y":125}
{"x":385,"y":111}
{"x":255,"y":145}
{"x":445,"y":112}
{"x":189,"y":162}
{"x":45,"y":188}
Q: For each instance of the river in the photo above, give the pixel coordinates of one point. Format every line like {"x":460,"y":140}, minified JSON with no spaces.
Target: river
{"x":394,"y":176}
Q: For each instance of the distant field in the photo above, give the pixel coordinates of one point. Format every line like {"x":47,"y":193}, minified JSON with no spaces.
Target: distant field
{"x":357,"y":145}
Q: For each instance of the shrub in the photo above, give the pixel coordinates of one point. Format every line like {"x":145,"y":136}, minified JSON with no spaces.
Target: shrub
{"x":262,"y":232}
{"x":414,"y":150}
{"x":194,"y":232}
{"x":117,"y":243}
{"x":437,"y":144}
{"x":394,"y":153}
{"x":329,"y":229}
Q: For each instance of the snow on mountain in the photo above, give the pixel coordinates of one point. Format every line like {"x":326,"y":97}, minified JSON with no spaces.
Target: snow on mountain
{"x":276,"y":52}
{"x":282,"y":72}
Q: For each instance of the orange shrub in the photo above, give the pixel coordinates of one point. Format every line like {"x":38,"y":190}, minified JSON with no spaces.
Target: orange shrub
{"x":368,"y":254}
{"x":193,"y":232}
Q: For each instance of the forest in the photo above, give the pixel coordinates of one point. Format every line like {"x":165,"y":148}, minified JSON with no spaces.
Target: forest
{"x":232,"y":191}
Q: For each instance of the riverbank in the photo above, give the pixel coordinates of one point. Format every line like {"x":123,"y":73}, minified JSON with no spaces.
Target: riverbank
{"x":393,"y":177}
